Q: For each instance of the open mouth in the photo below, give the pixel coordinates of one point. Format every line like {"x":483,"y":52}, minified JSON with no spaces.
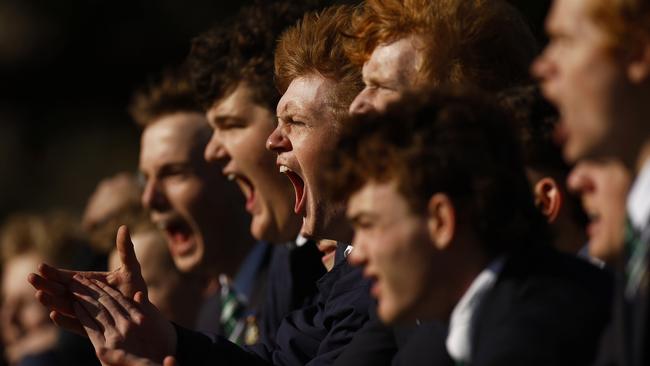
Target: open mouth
{"x":179,"y":236}
{"x":374,"y":285}
{"x":247,"y":189}
{"x":298,"y":186}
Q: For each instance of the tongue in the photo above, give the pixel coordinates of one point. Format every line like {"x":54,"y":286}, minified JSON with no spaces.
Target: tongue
{"x":181,"y":236}
{"x":299,"y":187}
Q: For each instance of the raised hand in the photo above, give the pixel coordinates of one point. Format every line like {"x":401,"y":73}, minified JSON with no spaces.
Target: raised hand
{"x":52,"y":284}
{"x":115,"y":322}
{"x":110,"y":357}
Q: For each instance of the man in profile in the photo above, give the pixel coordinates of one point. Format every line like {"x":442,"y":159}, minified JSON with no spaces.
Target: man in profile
{"x":446,"y":229}
{"x":596,"y":70}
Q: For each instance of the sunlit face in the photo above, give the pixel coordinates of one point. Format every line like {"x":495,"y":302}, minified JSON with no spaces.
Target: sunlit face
{"x":306,"y":133}
{"x":392,"y":244}
{"x":603,"y":187}
{"x":22,"y":316}
{"x":583,"y":79}
{"x":184,"y":193}
{"x":391,"y":70}
{"x":241,"y":127}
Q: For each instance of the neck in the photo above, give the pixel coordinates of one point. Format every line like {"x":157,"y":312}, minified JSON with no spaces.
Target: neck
{"x":644,"y":157}
{"x":472,"y":262}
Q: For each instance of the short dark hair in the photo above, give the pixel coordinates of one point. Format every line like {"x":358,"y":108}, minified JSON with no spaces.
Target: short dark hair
{"x":241,"y":50}
{"x":457,"y":143}
{"x":535,"y":122}
{"x":171,"y":93}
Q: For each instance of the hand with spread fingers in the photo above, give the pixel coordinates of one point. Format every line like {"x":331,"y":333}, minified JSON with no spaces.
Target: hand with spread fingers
{"x":110,"y":357}
{"x":52,"y":284}
{"x":115,"y":322}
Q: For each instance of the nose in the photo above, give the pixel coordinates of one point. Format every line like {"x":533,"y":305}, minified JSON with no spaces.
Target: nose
{"x":543,"y":68}
{"x":362,"y":103}
{"x":278,"y":141}
{"x":214,"y":150}
{"x":578,"y":180}
{"x":153,"y":196}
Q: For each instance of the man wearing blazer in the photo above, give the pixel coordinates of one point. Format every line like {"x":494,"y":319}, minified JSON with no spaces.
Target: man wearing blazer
{"x":446,"y":229}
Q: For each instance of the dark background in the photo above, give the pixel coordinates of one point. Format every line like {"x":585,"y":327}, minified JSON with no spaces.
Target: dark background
{"x":67,"y":70}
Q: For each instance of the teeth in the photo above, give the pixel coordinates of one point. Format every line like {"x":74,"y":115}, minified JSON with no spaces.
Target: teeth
{"x":231,"y":177}
{"x":283,"y":169}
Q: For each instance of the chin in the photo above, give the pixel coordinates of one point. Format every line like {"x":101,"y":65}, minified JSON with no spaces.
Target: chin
{"x":187,"y":264}
{"x":388,"y":315}
{"x":260,"y":231}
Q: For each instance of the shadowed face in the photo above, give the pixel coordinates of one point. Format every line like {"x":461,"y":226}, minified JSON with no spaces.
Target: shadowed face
{"x":186,"y":195}
{"x":240,"y":130}
{"x":583,"y":79}
{"x":603,"y":187}
{"x":391,"y":70}
{"x":392,"y":244}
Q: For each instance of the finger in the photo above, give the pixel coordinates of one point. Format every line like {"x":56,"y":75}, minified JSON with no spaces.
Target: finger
{"x":44,"y":284}
{"x":92,"y":329}
{"x":121,"y":316}
{"x":112,"y":357}
{"x":115,"y":357}
{"x":127,"y":306}
{"x":126,"y":251}
{"x":169,"y":361}
{"x":68,"y":323}
{"x":88,"y":299}
{"x":62,"y":304}
{"x":54,"y":274}
{"x":64,"y":276}
{"x":141,"y":298}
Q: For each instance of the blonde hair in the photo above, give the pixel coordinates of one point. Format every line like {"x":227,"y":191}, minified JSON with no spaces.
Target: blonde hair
{"x":55,"y":237}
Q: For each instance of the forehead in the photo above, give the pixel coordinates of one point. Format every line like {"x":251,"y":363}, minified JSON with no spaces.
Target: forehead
{"x":567,"y":14}
{"x":174,"y":136}
{"x":377,"y":198}
{"x":306,"y":96}
{"x":233,"y":103}
{"x":400,"y":55}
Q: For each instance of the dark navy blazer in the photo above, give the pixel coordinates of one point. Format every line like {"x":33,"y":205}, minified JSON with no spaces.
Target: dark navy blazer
{"x":313,"y":335}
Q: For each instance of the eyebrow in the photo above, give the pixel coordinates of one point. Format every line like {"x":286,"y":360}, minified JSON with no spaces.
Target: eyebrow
{"x":361,"y":214}
{"x":291,"y":110}
{"x":222,"y":119}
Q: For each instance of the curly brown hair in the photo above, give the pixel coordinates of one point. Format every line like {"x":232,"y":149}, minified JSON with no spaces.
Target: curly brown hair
{"x":484,"y":43}
{"x":456,"y":143}
{"x":315,"y":46}
{"x":241,"y":50}
{"x":170,"y":94}
{"x":627,"y":22}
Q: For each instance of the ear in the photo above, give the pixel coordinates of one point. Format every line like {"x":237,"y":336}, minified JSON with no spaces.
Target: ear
{"x":638,"y":70}
{"x":548,"y":198}
{"x":441,"y":220}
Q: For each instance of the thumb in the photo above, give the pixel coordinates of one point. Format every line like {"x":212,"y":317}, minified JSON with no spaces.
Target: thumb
{"x":169,"y":361}
{"x":126,"y":251}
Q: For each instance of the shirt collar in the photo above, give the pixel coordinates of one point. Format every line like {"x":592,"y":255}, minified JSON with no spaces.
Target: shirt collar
{"x":638,"y":200}
{"x":460,"y":325}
